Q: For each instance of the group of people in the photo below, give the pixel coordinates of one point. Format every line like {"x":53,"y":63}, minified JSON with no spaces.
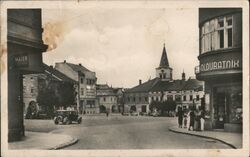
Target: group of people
{"x":191,"y":119}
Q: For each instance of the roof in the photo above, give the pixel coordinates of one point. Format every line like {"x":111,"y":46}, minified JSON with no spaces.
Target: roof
{"x":144,"y":87}
{"x":102,"y":86}
{"x":164,"y":58}
{"x":158,"y":85}
{"x":193,"y":84}
{"x":78,"y":68}
{"x":175,"y":85}
{"x":57,"y":74}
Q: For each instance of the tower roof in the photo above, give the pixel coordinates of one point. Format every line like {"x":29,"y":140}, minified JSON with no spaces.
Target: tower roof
{"x":164,"y":58}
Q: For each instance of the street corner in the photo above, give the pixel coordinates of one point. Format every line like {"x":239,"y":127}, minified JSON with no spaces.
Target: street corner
{"x":231,"y":139}
{"x":43,"y":141}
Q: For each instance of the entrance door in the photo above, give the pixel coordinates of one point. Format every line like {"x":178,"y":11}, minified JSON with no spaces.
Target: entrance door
{"x":144,"y":108}
{"x":220,"y":110}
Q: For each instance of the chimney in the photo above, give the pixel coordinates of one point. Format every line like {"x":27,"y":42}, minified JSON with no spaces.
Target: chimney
{"x":80,"y":64}
{"x":64,"y":61}
{"x":139,"y":82}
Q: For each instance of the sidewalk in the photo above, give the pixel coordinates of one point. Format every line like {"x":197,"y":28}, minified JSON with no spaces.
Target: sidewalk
{"x":49,"y":141}
{"x":234,"y":140}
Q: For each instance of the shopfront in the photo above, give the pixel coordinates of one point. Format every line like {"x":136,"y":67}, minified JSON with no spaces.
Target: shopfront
{"x":227,"y":105}
{"x":220,"y":66}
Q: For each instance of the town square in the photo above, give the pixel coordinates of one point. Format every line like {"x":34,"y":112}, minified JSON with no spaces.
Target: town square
{"x":112,"y":78}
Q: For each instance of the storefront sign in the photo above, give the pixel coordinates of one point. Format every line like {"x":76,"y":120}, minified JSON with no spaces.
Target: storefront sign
{"x":21,"y":60}
{"x":220,"y":65}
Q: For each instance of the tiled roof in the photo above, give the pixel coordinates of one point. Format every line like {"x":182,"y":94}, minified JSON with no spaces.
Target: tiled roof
{"x":57,"y":74}
{"x":78,"y":68}
{"x":144,"y":87}
{"x":193,"y":84}
{"x":175,"y":85}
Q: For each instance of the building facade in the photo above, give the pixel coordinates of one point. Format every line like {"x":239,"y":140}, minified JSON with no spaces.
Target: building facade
{"x":220,"y":66}
{"x":87,"y":102}
{"x":186,"y":93}
{"x":33,"y":84}
{"x":25,"y":48}
{"x":109,"y":98}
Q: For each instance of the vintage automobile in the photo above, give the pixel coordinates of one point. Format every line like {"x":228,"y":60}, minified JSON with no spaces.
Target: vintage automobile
{"x":67,"y":117}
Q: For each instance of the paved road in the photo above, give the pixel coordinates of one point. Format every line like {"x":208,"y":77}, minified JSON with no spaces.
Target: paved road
{"x":126,"y":132}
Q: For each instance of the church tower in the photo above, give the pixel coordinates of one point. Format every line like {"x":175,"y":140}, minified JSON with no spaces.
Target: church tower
{"x":164,"y":72}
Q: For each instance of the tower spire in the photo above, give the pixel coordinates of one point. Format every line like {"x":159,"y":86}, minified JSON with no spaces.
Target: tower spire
{"x":164,"y":58}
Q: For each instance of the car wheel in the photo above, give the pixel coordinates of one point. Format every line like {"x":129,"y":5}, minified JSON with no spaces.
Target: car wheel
{"x":66,"y":121}
{"x":79,"y":120}
{"x":56,"y":120}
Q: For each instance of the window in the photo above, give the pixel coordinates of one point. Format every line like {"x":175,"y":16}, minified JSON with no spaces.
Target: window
{"x":134,"y":99}
{"x":139,"y":98}
{"x":197,"y":97}
{"x":184,"y":98}
{"x":82,"y":91}
{"x":156,"y":99}
{"x":81,"y":80}
{"x":128,"y":99}
{"x":217,"y":34}
{"x":146,"y":98}
{"x":104,"y":99}
{"x":169,"y":97}
{"x":32,"y":90}
{"x":191,"y":97}
{"x":111,"y":99}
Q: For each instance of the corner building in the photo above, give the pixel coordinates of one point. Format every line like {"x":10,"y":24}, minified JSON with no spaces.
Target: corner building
{"x":220,"y":57}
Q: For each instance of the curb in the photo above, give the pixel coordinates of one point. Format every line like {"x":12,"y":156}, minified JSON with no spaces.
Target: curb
{"x":202,"y":136}
{"x":73,"y":141}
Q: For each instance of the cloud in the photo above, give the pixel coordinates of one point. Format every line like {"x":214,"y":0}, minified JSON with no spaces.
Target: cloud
{"x":123,"y":50}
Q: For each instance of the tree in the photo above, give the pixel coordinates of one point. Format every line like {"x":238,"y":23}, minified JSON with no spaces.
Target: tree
{"x":66,"y":94}
{"x":47,"y":99}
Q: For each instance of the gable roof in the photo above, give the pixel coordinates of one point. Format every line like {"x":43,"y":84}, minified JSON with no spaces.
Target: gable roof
{"x":144,"y":87}
{"x":57,"y":74}
{"x":78,"y":68}
{"x":164,"y":58}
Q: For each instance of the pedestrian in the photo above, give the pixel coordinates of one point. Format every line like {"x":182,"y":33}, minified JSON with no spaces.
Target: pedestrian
{"x":185,"y":119}
{"x":202,"y":120}
{"x":191,"y":121}
{"x":180,"y":117}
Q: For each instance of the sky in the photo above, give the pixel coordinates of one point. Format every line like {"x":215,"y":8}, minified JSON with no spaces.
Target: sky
{"x":123,"y":45}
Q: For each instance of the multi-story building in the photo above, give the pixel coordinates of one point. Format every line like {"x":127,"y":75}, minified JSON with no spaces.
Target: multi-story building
{"x":220,"y":66}
{"x":25,"y":48}
{"x":110,"y":99}
{"x":186,"y":93}
{"x":86,"y":100}
{"x":34,"y":83}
